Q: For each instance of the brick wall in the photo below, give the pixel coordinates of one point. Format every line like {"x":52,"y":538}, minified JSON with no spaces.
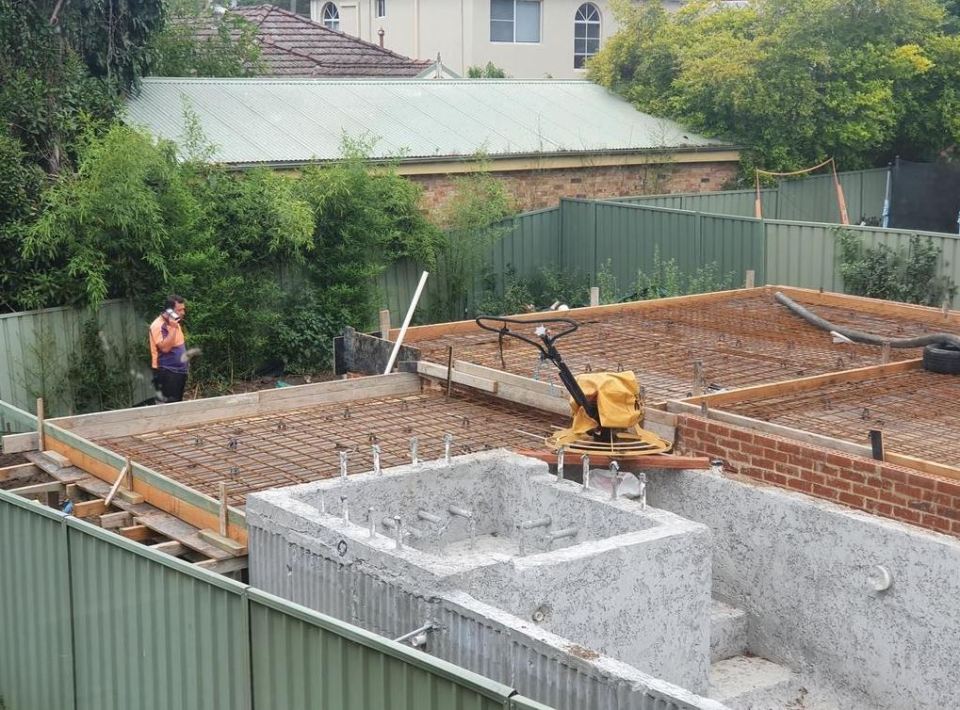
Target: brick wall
{"x":535,"y":189}
{"x":883,"y":489}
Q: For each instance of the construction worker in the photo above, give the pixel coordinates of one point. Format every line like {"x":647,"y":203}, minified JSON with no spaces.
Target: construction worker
{"x":168,"y":351}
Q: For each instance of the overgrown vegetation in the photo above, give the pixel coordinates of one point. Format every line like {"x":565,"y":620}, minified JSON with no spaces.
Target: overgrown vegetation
{"x":795,"y":81}
{"x":198,"y":43}
{"x":102,"y":374}
{"x":910,"y":274}
{"x":549,"y":287}
{"x":490,"y":71}
{"x":536,"y":293}
{"x":473,"y":220}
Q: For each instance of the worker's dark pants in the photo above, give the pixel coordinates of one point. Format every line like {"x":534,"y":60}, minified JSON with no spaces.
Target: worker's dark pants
{"x":170,"y":385}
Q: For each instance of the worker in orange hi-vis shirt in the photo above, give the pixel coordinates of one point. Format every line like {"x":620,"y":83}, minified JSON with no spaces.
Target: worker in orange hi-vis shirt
{"x":168,"y":351}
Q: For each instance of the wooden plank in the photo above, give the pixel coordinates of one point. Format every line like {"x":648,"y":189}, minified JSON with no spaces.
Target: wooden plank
{"x":138,"y":533}
{"x":108,"y":521}
{"x":105,"y":425}
{"x":21,"y":470}
{"x":805,"y":384}
{"x":37,"y":489}
{"x":19,"y":443}
{"x":169,"y":496}
{"x":875,"y":306}
{"x":233,"y":564}
{"x":930,"y":467}
{"x":124,"y":472}
{"x":775,"y":429}
{"x":163,"y":523}
{"x":171,"y":547}
{"x":41,"y":439}
{"x":653,"y":461}
{"x":56,"y":459}
{"x":223,"y":508}
{"x":430,"y":332}
{"x":89,"y":508}
{"x":431,"y":369}
{"x":546,"y":389}
{"x":224,"y":543}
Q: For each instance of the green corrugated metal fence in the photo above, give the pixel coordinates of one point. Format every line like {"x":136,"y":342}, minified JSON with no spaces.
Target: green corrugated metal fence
{"x":531,"y":242}
{"x":626,"y":237}
{"x":811,"y":199}
{"x":805,"y":254}
{"x":92,"y":621}
{"x":36,"y":346}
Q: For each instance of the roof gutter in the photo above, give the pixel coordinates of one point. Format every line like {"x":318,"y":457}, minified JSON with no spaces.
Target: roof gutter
{"x":587,"y":158}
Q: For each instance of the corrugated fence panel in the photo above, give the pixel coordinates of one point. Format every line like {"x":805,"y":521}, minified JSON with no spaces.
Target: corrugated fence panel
{"x":14,"y":420}
{"x":736,"y":245}
{"x":738,"y":203}
{"x":303,"y":660}
{"x":814,"y":198}
{"x":805,"y":254}
{"x":578,"y":240}
{"x":628,"y":237}
{"x":674,"y":202}
{"x":152,"y":632}
{"x":873,"y":188}
{"x":532,"y":241}
{"x":36,"y":347}
{"x":801,"y":254}
{"x":36,"y":648}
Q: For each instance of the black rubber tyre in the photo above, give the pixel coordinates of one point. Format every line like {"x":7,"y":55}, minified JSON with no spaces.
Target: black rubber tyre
{"x":942,"y":358}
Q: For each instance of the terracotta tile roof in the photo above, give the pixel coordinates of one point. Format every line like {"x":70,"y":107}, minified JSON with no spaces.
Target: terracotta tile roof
{"x":294,"y":46}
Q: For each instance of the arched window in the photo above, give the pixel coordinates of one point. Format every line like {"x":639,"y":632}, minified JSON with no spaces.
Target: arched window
{"x":586,"y":34}
{"x":330,"y":17}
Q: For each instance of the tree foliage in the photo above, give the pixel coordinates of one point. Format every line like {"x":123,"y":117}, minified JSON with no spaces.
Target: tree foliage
{"x":195,"y":42}
{"x":794,"y":81}
{"x":272,"y":265}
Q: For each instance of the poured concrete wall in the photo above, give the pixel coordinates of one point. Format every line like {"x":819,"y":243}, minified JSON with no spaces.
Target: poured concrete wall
{"x":634,"y":584}
{"x":804,"y":569}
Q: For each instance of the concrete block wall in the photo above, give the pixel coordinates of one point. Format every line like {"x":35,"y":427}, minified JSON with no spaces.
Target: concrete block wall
{"x":536,"y":189}
{"x":889,"y":491}
{"x":808,"y":574}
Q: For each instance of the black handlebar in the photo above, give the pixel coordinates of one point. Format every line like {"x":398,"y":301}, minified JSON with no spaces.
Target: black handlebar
{"x":547,"y":351}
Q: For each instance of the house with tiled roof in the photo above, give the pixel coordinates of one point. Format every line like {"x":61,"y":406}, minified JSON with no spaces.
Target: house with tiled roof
{"x":292,"y":45}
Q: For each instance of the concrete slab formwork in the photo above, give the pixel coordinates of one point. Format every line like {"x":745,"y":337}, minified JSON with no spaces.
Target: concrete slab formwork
{"x":612,"y":578}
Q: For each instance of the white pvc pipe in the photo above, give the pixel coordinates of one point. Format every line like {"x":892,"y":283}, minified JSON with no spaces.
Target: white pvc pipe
{"x":406,"y":322}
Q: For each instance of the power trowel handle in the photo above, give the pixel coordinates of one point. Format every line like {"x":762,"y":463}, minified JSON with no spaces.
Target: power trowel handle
{"x":501,"y":326}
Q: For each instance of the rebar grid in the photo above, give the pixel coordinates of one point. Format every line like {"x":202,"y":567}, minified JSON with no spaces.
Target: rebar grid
{"x":915,"y":410}
{"x":297,"y":446}
{"x":744,"y":340}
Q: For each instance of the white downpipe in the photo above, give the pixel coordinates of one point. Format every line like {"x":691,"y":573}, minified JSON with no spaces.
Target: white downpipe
{"x":406,"y":322}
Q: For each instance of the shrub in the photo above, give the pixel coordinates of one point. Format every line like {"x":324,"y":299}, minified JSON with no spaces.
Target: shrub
{"x":909,"y":274}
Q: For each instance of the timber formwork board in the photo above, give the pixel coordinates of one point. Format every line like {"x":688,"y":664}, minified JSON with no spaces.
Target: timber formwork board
{"x":737,"y":339}
{"x":285,"y":448}
{"x":915,"y":410}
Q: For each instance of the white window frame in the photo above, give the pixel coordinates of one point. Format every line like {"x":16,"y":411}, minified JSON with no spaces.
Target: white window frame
{"x":381,"y":8}
{"x":579,"y":23}
{"x":513,"y":24}
{"x":333,"y":21}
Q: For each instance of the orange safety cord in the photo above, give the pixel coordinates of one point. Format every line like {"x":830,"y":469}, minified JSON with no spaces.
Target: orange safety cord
{"x":841,"y":200}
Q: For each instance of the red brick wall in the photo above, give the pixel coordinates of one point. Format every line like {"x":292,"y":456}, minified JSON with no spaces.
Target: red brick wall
{"x":883,"y":489}
{"x":536,"y":189}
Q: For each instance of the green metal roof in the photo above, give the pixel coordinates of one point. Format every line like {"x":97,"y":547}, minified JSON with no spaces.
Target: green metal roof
{"x":295,"y":121}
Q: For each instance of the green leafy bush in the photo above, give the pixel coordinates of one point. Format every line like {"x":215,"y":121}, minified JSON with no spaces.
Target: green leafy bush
{"x":310,"y":320}
{"x":101,"y":374}
{"x":666,"y":279}
{"x":909,"y":274}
